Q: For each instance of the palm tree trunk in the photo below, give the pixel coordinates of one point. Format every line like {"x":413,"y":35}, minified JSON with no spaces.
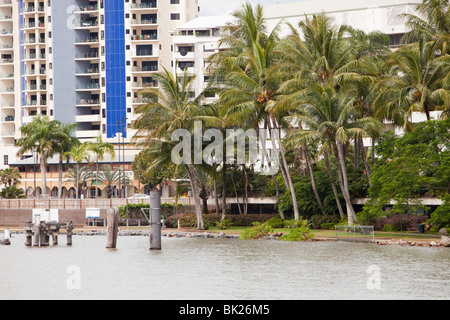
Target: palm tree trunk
{"x":333,"y":185}
{"x":77,"y":186}
{"x":96,"y":182}
{"x":366,"y":162}
{"x":341,"y":159}
{"x":224,"y":180}
{"x":216,"y":195}
{"x":284,"y":164}
{"x":60,"y":177}
{"x":313,"y":180}
{"x":43,"y":175}
{"x":193,"y":179}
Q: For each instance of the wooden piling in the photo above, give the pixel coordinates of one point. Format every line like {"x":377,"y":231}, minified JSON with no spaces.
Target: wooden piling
{"x":69,"y":233}
{"x":112,"y":228}
{"x":29,"y":232}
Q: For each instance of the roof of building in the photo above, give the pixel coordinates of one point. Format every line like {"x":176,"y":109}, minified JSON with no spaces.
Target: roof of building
{"x":205,"y":22}
{"x":290,"y":9}
{"x":129,"y":158}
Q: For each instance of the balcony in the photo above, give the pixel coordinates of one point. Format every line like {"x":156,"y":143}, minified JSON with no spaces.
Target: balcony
{"x":86,"y":40}
{"x":89,"y":118}
{"x":86,"y":134}
{"x":88,"y":102}
{"x":87,"y":71}
{"x":89,"y":87}
{"x":145,"y":69}
{"x":144,"y":22}
{"x":144,"y":5}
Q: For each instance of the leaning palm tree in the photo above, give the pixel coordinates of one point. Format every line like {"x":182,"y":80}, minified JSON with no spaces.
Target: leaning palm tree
{"x":39,"y":135}
{"x":330,"y":117}
{"x":243,"y":71}
{"x":100,"y":148}
{"x":172,"y":108}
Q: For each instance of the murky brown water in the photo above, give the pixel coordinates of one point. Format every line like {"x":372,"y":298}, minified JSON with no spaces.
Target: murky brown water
{"x":198,"y":269}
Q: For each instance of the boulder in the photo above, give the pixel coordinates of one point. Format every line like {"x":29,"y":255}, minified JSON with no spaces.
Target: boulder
{"x":443,"y":232}
{"x":445,"y":242}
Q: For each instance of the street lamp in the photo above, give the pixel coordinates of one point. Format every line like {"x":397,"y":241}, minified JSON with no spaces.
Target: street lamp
{"x":124,"y":120}
{"x":118,"y":140}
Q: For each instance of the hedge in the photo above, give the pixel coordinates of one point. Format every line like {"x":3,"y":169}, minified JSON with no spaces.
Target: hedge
{"x":190,"y":220}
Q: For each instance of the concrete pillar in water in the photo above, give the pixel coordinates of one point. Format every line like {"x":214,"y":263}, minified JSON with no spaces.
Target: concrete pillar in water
{"x":155,"y":220}
{"x":112,"y":216}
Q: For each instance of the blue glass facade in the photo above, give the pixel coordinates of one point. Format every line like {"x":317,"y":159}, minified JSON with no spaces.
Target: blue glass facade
{"x":115,"y":67}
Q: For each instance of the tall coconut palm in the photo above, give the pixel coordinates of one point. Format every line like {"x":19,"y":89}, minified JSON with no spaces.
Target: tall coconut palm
{"x":172,"y":108}
{"x":331,"y":117}
{"x":63,"y":144}
{"x":432,"y":23}
{"x":249,"y":91}
{"x":416,"y":81}
{"x":100,"y":148}
{"x":40,"y":135}
{"x":78,"y":153}
{"x":111,"y":178}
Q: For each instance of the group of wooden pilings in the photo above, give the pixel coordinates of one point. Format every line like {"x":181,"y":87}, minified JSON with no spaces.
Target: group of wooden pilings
{"x":155,"y":224}
{"x":42,"y":231}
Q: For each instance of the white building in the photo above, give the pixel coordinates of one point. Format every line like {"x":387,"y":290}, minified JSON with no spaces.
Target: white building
{"x":193,"y":43}
{"x":81,"y":61}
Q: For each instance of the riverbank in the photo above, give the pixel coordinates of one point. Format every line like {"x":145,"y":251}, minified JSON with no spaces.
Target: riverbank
{"x":384,"y":239}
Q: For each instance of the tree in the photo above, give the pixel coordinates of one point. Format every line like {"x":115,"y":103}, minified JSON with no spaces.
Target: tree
{"x":411,"y":167}
{"x":416,"y":81}
{"x":99,"y":148}
{"x":62,"y":145}
{"x":151,"y":176}
{"x":431,"y":24}
{"x":78,"y":153}
{"x":249,"y":91}
{"x":172,"y":108}
{"x":111,"y":178}
{"x":79,"y":176}
{"x":40,"y":135}
{"x":10,"y":177}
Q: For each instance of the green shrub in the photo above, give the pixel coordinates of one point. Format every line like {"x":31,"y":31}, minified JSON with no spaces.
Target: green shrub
{"x":258,"y":231}
{"x":318,"y":219}
{"x":275,"y":222}
{"x":389,"y":228}
{"x":328,"y":226}
{"x":302,"y":233}
{"x":224,"y":224}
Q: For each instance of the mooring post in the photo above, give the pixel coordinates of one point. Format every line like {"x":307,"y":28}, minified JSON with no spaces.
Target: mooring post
{"x":112,"y":217}
{"x":29,"y":231}
{"x":37,"y":235}
{"x":69,"y":233}
{"x":155,"y":220}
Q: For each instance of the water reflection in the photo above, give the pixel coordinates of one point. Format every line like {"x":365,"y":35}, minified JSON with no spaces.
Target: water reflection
{"x":221,"y":269}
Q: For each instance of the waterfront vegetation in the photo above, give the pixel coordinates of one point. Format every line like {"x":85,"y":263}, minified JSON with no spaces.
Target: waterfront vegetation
{"x":330,"y":89}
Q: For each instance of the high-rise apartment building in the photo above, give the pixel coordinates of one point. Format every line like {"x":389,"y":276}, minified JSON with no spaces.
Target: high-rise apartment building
{"x":82,"y":61}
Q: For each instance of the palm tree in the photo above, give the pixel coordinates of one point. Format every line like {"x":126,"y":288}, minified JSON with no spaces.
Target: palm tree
{"x":111,"y":178}
{"x":64,"y":144}
{"x":100,"y":148}
{"x":172,"y":108}
{"x":10,"y":177}
{"x":431,"y":24}
{"x":416,"y":81}
{"x":78,"y":153}
{"x":249,"y":90}
{"x":79,"y":176}
{"x":332,"y":118}
{"x":40,"y":135}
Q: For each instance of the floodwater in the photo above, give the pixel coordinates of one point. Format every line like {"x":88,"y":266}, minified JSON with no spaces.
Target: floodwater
{"x":221,"y":269}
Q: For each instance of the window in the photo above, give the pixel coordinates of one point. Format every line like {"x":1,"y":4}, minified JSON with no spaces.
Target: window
{"x":174,"y":16}
{"x":5,"y":160}
{"x":174,"y":1}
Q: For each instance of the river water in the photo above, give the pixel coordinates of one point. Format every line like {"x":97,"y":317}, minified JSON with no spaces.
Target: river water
{"x":221,"y":269}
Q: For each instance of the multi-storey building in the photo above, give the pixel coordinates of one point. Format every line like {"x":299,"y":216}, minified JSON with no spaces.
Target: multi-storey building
{"x":82,"y":61}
